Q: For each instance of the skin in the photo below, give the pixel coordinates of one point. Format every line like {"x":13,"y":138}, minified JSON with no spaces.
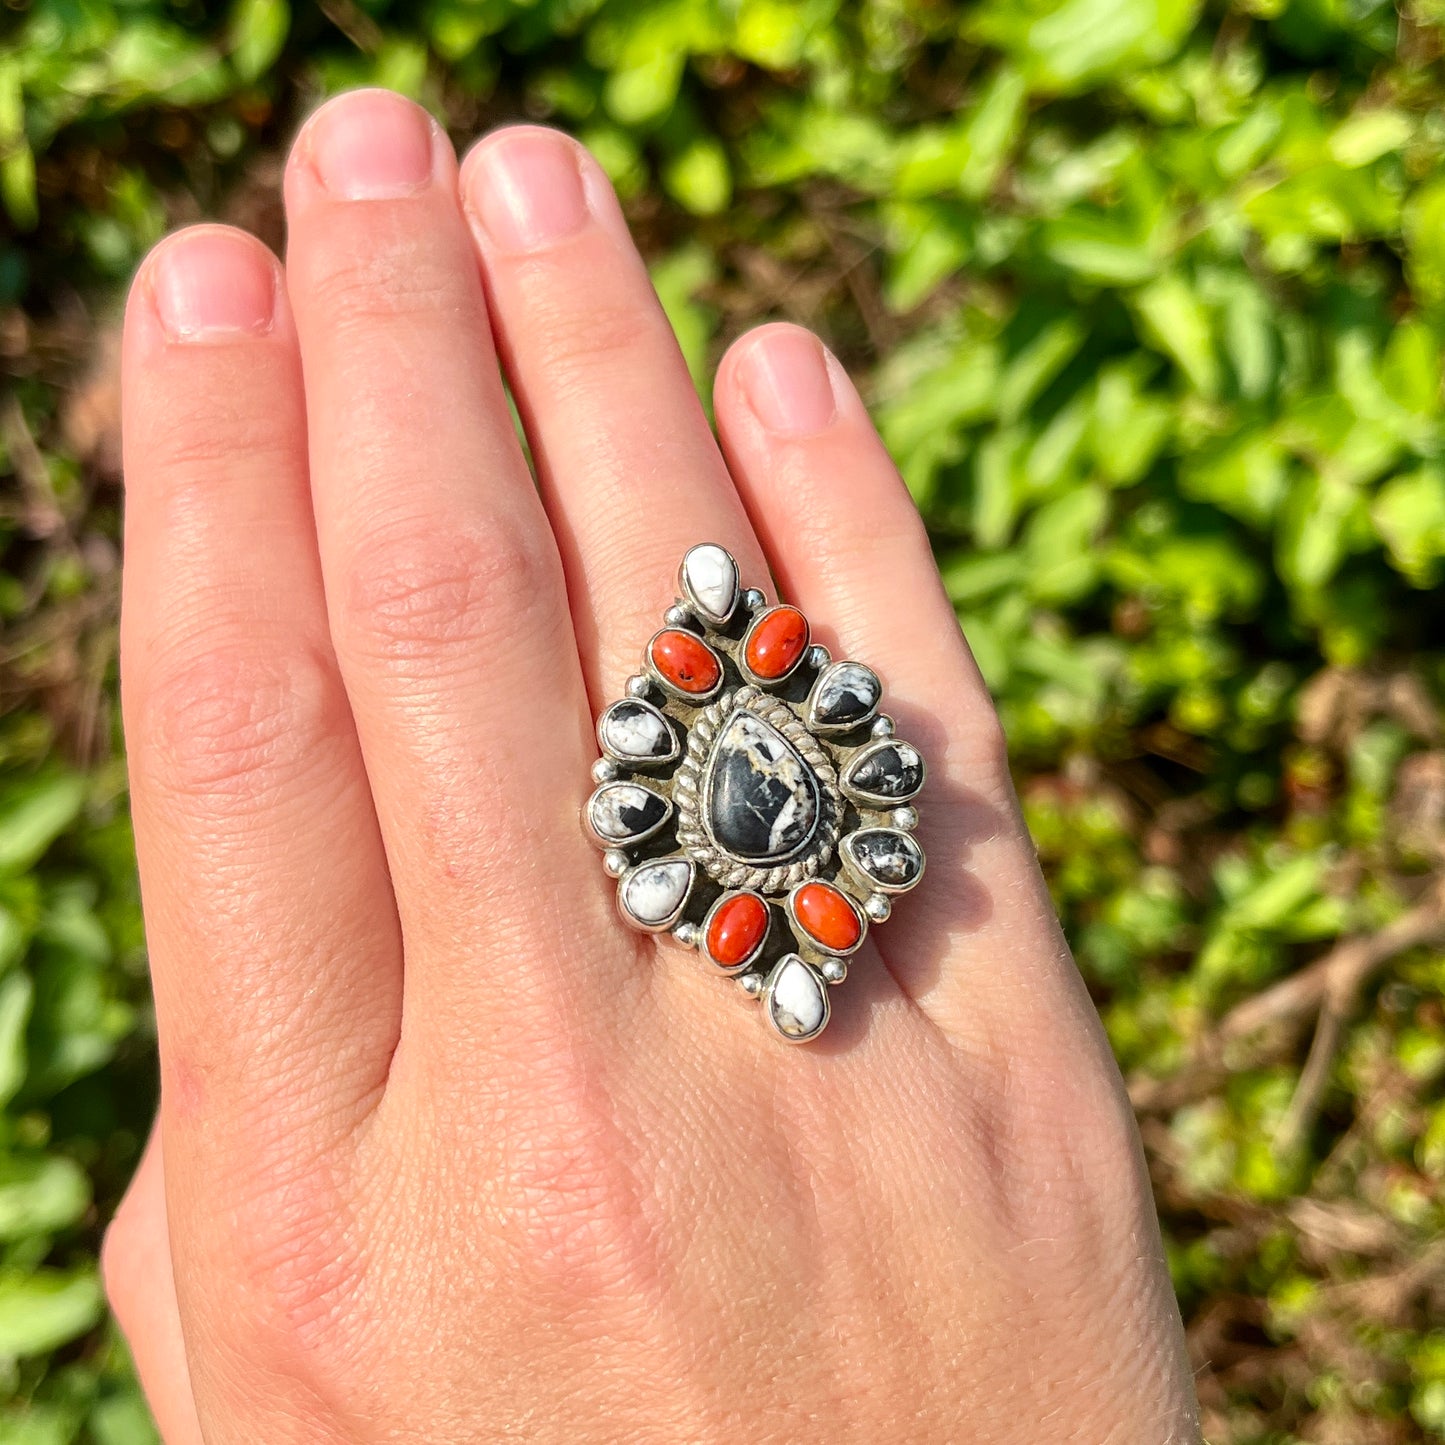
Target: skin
{"x":445,"y":1152}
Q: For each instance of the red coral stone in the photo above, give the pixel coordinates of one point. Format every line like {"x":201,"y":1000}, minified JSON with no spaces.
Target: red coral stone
{"x":736,"y":930}
{"x":685,"y":661}
{"x":826,"y":915}
{"x":777,"y":641}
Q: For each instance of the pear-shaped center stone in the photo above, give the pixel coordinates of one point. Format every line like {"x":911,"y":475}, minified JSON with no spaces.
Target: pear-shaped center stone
{"x":761,"y":799}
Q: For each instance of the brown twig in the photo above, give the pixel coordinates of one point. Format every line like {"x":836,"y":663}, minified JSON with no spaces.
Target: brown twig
{"x":42,"y":515}
{"x":1329,"y":985}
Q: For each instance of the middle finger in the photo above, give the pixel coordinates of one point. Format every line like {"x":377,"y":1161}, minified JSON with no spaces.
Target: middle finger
{"x":627,"y":462}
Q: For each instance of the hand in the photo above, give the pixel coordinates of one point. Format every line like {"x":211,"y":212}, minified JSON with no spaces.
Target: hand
{"x":446,"y":1153}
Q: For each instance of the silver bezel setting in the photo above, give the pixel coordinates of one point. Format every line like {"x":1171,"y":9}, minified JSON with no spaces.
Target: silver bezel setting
{"x":811,"y":942}
{"x":670,"y":689}
{"x":878,"y":800}
{"x":733,"y":969}
{"x":661,"y":925}
{"x":607,"y":840}
{"x":695,"y":837}
{"x":756,"y":621}
{"x":825,"y":675}
{"x":768,"y":997}
{"x":694,"y":601}
{"x":628,"y":760}
{"x":847,"y":852}
{"x":683,"y":779}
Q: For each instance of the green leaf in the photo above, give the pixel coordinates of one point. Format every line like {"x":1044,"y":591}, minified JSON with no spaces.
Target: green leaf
{"x":1036,"y":364}
{"x":1064,"y":565}
{"x":34,"y":814}
{"x":677,"y":278}
{"x":38,"y":1426}
{"x":48,"y":1308}
{"x":1315,"y":537}
{"x":1369,"y":134}
{"x":1175,"y":321}
{"x":17,"y":160}
{"x":256,"y":35}
{"x":646,"y":90}
{"x":1424,"y":226}
{"x":699,"y":177}
{"x":40,"y":1194}
{"x":16,"y":996}
{"x":123,"y":1420}
{"x":1067,"y":44}
{"x":1410,"y":514}
{"x":1102,"y":248}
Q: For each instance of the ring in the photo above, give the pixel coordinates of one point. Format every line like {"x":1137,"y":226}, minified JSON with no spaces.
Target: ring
{"x":751,"y":799}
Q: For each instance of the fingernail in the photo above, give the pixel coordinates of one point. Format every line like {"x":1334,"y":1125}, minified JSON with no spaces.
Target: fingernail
{"x":213,"y":284}
{"x":526,"y":190}
{"x":785,"y":377}
{"x":371,"y":145}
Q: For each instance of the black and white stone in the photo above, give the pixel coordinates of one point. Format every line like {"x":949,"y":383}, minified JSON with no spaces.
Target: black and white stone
{"x":653,"y":894}
{"x":624,"y":813}
{"x":761,"y":800}
{"x":709,"y":580}
{"x":884,"y":773}
{"x":635,"y":732}
{"x":795,"y":1000}
{"x":883,"y":858}
{"x":846,"y":695}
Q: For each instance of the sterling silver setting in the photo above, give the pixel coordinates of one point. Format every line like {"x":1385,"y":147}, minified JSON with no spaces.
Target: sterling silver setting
{"x":751,"y":799}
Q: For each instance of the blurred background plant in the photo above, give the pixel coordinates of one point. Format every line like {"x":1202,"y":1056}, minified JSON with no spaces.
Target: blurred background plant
{"x":1148,"y":297}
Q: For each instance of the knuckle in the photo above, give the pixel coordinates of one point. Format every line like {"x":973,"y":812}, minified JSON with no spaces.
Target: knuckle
{"x":987,"y":745}
{"x":382,"y":278}
{"x":576,"y":1233}
{"x":570,"y":1211}
{"x":617,"y":339}
{"x":234,"y":720}
{"x":223,"y":418}
{"x":1067,"y":1155}
{"x":421,"y":590}
{"x":298,"y":1263}
{"x":127,"y":1263}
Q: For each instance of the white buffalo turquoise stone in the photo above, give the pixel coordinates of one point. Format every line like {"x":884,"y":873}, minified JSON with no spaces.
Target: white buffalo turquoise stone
{"x":885,"y":857}
{"x":626,"y":812}
{"x":846,"y":695}
{"x":710,"y":581}
{"x":634,"y":731}
{"x":762,"y":799}
{"x":652,"y":894}
{"x":796,"y":999}
{"x":884,"y":772}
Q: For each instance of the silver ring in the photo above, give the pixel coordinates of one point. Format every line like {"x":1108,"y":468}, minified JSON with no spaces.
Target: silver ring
{"x":751,"y":799}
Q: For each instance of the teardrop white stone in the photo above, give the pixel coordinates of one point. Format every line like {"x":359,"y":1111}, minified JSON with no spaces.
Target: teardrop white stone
{"x":652,"y":894}
{"x":709,"y":577}
{"x":797,"y":1000}
{"x":634,"y":732}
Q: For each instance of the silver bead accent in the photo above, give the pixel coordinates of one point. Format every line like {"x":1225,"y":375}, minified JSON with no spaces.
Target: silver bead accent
{"x":905,"y":818}
{"x":639,"y":686}
{"x":687,"y":934}
{"x":677,"y":616}
{"x":754,"y":600}
{"x":751,"y":984}
{"x":615,"y":861}
{"x":877,"y":907}
{"x":835,"y":970}
{"x":882,"y":726}
{"x":819,"y":657}
{"x":604,"y":770}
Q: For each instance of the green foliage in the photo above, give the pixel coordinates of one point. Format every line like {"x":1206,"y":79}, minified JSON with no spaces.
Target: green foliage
{"x":1149,"y":301}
